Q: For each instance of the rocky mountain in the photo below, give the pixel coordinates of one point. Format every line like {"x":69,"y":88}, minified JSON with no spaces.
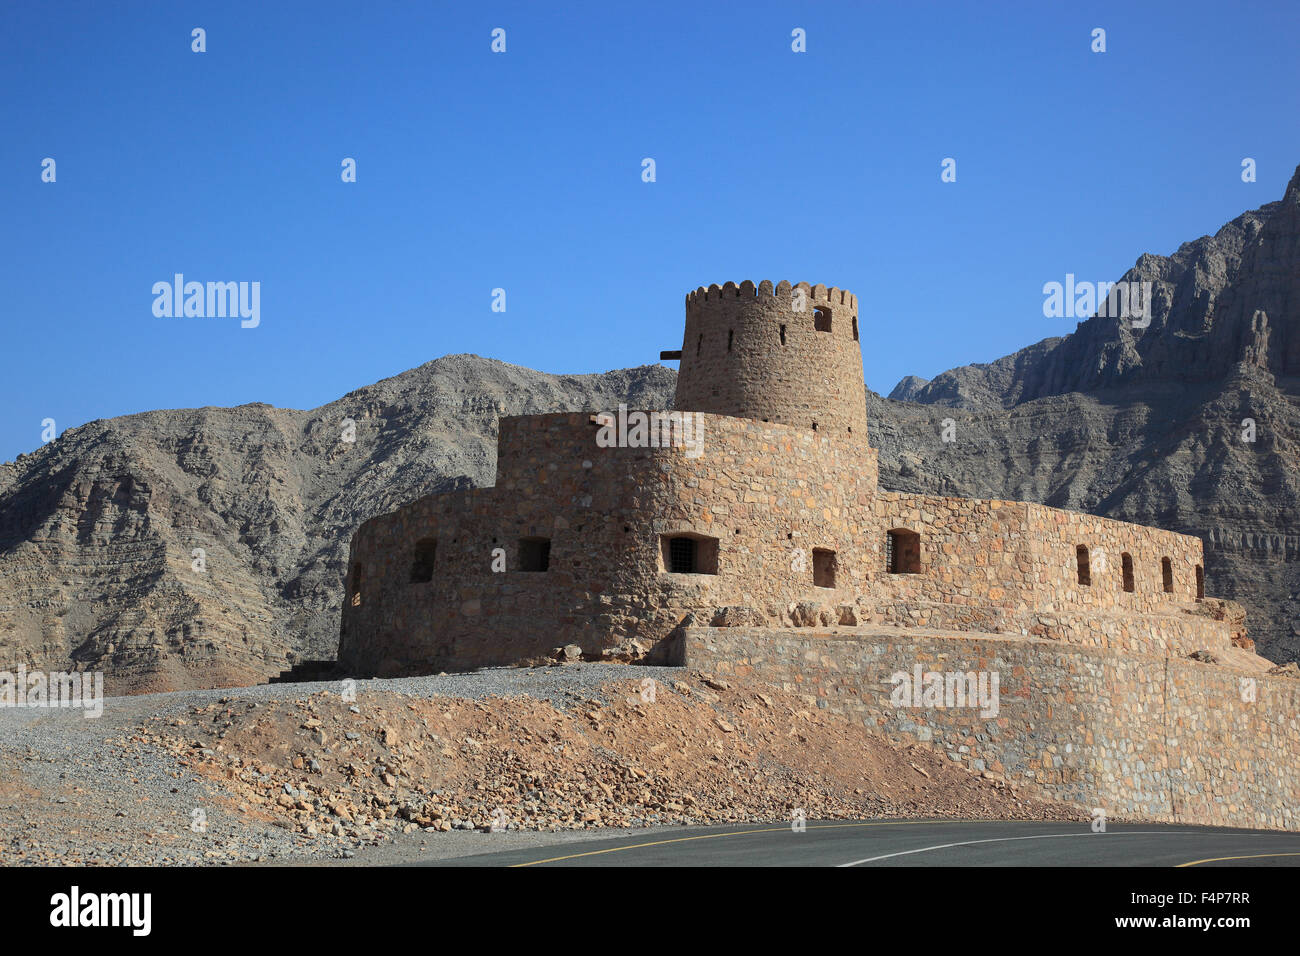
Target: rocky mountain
{"x":206,"y":547}
{"x":1149,"y":422}
{"x":100,"y":530}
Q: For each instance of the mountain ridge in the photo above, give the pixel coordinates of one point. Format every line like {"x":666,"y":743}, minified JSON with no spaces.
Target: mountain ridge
{"x":206,"y":547}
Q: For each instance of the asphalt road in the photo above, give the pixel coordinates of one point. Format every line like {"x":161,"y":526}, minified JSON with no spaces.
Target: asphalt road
{"x":913,"y":843}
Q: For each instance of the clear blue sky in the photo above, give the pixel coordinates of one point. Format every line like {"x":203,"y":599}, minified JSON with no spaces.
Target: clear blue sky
{"x":523,"y":171}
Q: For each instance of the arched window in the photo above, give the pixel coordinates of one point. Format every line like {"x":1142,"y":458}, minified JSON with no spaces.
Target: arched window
{"x":1126,"y":566}
{"x":902,"y":551}
{"x":1085,"y":567}
{"x":1167,"y":574}
{"x":422,"y":562}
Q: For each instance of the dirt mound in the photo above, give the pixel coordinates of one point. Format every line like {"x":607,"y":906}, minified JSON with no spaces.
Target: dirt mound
{"x":697,"y":751}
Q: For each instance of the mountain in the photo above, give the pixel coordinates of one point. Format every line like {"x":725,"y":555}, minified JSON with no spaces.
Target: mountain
{"x":1149,"y":424}
{"x":98,"y":529}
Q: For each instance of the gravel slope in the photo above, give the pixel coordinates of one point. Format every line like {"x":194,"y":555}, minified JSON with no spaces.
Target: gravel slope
{"x":297,"y":773}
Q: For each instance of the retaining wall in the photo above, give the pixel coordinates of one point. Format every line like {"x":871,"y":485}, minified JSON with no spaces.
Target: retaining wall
{"x":1138,"y":736}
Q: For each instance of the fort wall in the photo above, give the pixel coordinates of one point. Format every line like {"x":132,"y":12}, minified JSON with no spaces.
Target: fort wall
{"x":759,"y":543}
{"x":1135,"y":735}
{"x":790,"y":525}
{"x":1014,"y":567}
{"x":779,"y":515}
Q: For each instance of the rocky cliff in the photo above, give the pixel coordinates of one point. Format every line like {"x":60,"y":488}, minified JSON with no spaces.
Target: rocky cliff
{"x":1148,"y":424}
{"x":99,"y":529}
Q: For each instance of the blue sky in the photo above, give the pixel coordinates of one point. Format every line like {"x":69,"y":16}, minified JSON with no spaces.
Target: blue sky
{"x":522,"y":171}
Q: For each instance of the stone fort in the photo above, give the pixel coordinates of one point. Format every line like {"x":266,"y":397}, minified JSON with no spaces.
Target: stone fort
{"x":767,"y":548}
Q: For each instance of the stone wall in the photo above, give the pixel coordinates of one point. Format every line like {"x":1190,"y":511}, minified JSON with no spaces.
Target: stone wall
{"x":767,"y":495}
{"x":778,"y":492}
{"x":1012,"y":567}
{"x":772,"y":503}
{"x":1138,"y":736}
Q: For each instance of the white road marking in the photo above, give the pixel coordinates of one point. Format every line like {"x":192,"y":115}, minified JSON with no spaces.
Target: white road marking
{"x":1041,"y":836}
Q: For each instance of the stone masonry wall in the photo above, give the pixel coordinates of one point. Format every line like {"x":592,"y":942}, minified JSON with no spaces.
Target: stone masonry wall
{"x":1138,"y":736}
{"x":787,"y":511}
{"x":1011,"y":567}
{"x":768,"y":495}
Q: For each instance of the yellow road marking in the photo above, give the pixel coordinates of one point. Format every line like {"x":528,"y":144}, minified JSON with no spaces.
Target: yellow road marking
{"x":1222,"y":859}
{"x":711,"y":836}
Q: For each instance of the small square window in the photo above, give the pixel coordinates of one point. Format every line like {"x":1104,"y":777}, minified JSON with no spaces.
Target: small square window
{"x":690,"y":554}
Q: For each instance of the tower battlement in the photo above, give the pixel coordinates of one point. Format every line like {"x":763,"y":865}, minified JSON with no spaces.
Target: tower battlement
{"x":766,"y":289}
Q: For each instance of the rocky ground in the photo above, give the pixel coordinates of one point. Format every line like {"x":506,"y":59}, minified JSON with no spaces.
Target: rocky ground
{"x":302,"y":772}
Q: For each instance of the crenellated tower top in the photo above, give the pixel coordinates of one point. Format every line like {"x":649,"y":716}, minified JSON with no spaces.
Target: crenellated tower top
{"x":780,"y":353}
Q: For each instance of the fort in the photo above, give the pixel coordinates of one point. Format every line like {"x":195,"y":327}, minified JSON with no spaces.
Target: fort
{"x":770,"y":550}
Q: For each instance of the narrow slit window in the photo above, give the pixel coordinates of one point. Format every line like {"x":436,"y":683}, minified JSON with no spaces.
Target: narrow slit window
{"x":681,"y":556}
{"x":1167,"y":574}
{"x":534,"y":554}
{"x":1085,"y":566}
{"x":824,"y":566}
{"x":783,"y":335}
{"x":1126,"y":567}
{"x":731,"y":337}
{"x":1200,"y":583}
{"x":356,"y":585}
{"x":426,"y":550}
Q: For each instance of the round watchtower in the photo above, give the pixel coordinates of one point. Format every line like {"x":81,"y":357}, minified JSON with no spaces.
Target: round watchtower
{"x":786,"y":354}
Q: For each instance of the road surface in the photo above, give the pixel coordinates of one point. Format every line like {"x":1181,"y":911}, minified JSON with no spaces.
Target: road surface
{"x":911,"y":843}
